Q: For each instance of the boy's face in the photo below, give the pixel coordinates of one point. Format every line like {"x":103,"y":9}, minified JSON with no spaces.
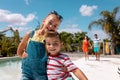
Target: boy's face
{"x":53,"y":45}
{"x":51,"y":22}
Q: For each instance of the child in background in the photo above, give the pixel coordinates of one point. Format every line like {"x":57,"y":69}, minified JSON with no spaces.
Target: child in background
{"x":56,"y":59}
{"x":32,"y":49}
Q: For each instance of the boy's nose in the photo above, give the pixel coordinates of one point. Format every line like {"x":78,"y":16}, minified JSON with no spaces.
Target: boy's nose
{"x":51,"y":45}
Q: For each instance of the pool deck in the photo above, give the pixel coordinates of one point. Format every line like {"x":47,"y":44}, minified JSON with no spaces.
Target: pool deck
{"x":105,"y":69}
{"x":76,"y":56}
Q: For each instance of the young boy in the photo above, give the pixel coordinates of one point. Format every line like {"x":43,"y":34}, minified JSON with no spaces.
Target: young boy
{"x":56,"y":59}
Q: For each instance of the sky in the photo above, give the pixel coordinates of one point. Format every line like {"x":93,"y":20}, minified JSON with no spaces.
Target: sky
{"x":24,"y":15}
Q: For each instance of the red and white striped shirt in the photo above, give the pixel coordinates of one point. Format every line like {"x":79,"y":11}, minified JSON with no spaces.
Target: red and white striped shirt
{"x":54,"y":64}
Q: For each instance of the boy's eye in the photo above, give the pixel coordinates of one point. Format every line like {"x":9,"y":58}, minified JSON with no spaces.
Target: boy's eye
{"x":55,"y":44}
{"x":48,"y":44}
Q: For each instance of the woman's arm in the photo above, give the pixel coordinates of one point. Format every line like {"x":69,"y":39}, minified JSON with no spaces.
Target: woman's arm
{"x":22,"y":46}
{"x":91,"y":46}
{"x":79,"y":74}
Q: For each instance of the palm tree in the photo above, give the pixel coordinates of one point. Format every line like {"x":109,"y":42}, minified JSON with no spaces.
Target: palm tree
{"x":110,"y":23}
{"x":67,"y":40}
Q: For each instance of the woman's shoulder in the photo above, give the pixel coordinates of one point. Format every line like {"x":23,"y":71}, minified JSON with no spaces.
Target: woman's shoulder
{"x":84,"y":40}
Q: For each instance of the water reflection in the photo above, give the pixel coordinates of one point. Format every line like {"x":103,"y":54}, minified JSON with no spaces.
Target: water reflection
{"x":10,"y":69}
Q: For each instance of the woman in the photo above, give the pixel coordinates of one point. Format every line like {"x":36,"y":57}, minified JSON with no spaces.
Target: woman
{"x":85,"y":47}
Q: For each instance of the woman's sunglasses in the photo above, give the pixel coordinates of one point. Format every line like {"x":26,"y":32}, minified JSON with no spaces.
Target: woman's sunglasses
{"x":59,"y":16}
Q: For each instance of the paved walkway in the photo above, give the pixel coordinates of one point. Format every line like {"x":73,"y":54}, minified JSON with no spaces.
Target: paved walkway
{"x":105,"y":69}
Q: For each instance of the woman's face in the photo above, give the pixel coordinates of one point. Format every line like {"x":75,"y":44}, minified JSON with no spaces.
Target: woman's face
{"x":85,"y":38}
{"x":51,"y":22}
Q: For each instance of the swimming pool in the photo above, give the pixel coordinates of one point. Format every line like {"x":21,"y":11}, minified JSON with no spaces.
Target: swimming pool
{"x":10,"y":68}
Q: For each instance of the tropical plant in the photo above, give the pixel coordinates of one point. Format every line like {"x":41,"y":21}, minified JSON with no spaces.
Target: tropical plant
{"x":78,"y":39}
{"x":72,"y":41}
{"x":110,"y":23}
{"x":67,"y":40}
{"x":8,"y":45}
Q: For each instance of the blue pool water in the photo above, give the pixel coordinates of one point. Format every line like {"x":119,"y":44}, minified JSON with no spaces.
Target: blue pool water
{"x":10,"y":68}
